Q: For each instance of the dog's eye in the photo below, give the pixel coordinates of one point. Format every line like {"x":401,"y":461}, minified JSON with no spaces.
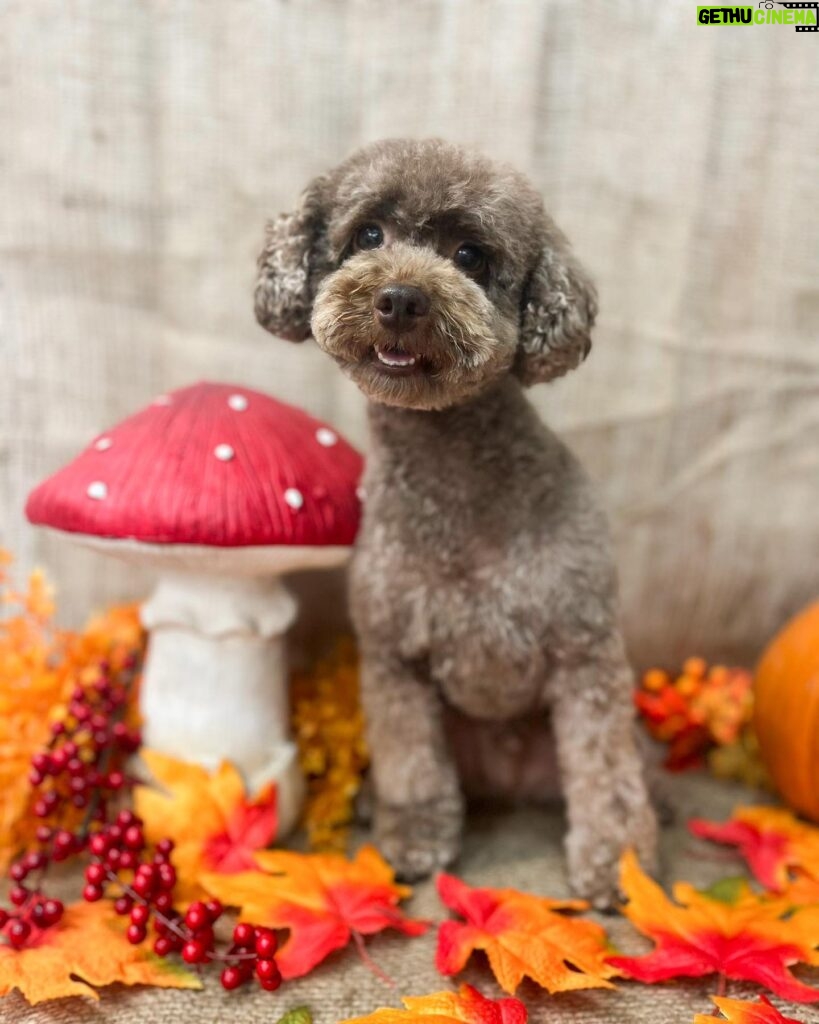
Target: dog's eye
{"x":470,"y":259}
{"x":369,"y":237}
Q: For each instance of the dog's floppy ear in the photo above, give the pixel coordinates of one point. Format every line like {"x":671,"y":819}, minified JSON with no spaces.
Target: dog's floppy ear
{"x":288,"y":266}
{"x":558,"y":309}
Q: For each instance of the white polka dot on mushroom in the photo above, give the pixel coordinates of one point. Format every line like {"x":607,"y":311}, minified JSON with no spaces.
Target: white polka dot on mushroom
{"x":361,"y":493}
{"x":223,"y":452}
{"x":294,"y":497}
{"x":102,"y":444}
{"x":162,"y":400}
{"x":97,"y":490}
{"x":238,"y":403}
{"x":326,"y":437}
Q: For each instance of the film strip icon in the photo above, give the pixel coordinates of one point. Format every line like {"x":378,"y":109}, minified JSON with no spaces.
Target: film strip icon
{"x":801,"y":7}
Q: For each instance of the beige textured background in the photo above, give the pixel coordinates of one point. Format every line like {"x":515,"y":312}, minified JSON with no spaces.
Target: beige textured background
{"x":143,"y":143}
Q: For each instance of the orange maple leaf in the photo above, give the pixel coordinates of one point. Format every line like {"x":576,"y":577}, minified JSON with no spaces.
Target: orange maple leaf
{"x":215,"y":827}
{"x":323,"y":899}
{"x":801,"y":891}
{"x":85,"y":951}
{"x":738,"y":1011}
{"x":745,"y":937}
{"x":467,"y":1006}
{"x":771,"y":840}
{"x":522,"y":935}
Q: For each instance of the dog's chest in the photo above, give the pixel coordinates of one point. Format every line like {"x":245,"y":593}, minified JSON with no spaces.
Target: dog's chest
{"x":462,"y":605}
{"x":485,"y":660}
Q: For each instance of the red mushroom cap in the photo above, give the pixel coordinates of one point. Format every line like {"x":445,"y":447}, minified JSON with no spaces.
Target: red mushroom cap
{"x":212,"y":464}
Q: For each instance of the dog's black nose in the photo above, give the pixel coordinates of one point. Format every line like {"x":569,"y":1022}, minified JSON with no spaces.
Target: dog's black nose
{"x":400,"y":306}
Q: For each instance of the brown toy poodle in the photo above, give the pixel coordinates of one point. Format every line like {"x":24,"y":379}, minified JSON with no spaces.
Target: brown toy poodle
{"x":482,"y":583}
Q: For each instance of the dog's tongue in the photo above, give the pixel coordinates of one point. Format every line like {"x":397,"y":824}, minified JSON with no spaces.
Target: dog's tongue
{"x":394,"y":357}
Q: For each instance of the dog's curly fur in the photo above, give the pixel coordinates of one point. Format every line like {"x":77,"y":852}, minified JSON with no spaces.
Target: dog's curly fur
{"x":482,"y":580}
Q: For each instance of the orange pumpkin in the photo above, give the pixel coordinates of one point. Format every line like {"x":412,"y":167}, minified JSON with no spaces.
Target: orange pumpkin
{"x":786,"y":711}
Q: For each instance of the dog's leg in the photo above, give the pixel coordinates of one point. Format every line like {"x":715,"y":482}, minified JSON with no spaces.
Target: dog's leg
{"x":419,"y":808}
{"x":602,"y":772}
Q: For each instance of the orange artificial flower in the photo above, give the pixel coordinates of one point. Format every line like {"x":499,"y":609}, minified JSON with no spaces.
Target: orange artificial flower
{"x":699,"y":708}
{"x":216,"y":829}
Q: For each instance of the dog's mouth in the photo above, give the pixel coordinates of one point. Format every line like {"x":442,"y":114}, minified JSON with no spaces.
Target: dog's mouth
{"x":396,"y":361}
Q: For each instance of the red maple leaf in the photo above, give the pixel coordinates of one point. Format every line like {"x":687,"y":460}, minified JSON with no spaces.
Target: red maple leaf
{"x":770,"y":839}
{"x":522,"y":936}
{"x":746,"y":939}
{"x":216,"y":826}
{"x":324,"y":900}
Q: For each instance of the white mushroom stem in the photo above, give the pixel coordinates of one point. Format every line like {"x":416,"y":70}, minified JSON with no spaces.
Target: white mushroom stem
{"x":215,"y":684}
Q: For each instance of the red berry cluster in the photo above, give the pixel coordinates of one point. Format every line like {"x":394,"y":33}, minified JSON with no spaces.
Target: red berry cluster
{"x":119,"y":849}
{"x":37,"y":913}
{"x":73,"y":779}
{"x":252,"y":952}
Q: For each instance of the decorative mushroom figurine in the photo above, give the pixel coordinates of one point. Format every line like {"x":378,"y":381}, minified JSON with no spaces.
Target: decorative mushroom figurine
{"x":222,"y":489}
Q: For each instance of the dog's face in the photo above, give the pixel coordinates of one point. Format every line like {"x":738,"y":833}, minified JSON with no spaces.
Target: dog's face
{"x":426,"y":273}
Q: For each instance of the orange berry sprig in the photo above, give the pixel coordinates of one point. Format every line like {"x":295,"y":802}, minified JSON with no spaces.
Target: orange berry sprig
{"x":699,"y":709}
{"x":73,"y":779}
{"x":328,"y":724}
{"x":120,"y":848}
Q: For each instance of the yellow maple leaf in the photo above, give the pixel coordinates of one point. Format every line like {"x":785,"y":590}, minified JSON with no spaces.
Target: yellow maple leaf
{"x":215,"y":827}
{"x":466,"y":1006}
{"x":85,"y":951}
{"x":739,"y":1011}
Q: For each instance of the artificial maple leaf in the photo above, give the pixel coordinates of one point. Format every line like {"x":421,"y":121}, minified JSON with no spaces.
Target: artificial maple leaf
{"x":801,"y":891}
{"x":738,"y":1011}
{"x":771,"y":840}
{"x":215,"y":827}
{"x":85,"y":951}
{"x":298,"y":1015}
{"x":324,"y":899}
{"x":522,"y":935}
{"x":745,"y":938}
{"x":467,"y":1006}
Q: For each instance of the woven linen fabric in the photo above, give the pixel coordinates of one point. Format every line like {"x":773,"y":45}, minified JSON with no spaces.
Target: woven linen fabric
{"x":518,"y":849}
{"x":145,"y":143}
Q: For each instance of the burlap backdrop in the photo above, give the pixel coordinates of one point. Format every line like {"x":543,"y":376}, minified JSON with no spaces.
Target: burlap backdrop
{"x":144,"y":144}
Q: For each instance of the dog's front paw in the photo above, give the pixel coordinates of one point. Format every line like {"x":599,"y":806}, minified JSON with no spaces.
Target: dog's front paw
{"x":593,"y":853}
{"x":593,"y":870}
{"x":419,"y":839}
